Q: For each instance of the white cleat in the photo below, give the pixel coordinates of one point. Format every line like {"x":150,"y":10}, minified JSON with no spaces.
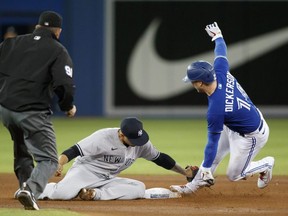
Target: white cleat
{"x":190,"y":187}
{"x":182,"y":189}
{"x":266,"y":176}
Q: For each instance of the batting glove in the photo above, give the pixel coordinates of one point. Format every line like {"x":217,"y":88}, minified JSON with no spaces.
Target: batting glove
{"x":206,"y":175}
{"x":213,"y":31}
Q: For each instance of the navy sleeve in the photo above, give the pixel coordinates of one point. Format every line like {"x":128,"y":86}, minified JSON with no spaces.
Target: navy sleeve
{"x":72,"y":152}
{"x":211,"y":149}
{"x":165,"y":161}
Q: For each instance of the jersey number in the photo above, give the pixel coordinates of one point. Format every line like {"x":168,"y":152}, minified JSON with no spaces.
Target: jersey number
{"x":243,"y":104}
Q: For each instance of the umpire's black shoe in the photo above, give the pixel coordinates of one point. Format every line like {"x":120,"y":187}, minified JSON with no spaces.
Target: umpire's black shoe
{"x":26,"y":198}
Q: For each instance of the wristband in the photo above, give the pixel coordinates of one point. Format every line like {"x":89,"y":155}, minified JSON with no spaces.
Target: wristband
{"x":219,"y":35}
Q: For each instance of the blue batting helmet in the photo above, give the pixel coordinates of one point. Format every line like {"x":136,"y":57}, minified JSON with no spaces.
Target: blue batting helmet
{"x":200,"y":71}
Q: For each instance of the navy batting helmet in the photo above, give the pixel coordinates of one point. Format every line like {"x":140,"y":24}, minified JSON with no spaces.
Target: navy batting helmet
{"x":200,"y":71}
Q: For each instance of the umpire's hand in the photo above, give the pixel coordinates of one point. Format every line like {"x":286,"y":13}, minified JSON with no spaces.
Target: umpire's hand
{"x":71,"y":112}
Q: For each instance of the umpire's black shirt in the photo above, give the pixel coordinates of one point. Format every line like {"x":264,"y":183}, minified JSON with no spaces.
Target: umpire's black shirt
{"x":32,"y":66}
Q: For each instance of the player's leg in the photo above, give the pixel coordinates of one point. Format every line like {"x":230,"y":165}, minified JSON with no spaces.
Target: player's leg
{"x":48,"y":190}
{"x":76,"y":178}
{"x":264,"y":166}
{"x":243,"y":151}
{"x":197,"y":183}
{"x":66,"y":189}
{"x":120,"y":188}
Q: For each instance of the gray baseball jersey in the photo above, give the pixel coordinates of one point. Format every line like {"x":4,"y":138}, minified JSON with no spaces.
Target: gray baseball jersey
{"x":103,"y":157}
{"x":103,"y":152}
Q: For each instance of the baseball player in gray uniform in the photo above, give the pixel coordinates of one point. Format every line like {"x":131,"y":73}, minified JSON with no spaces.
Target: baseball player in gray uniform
{"x":100,"y":157}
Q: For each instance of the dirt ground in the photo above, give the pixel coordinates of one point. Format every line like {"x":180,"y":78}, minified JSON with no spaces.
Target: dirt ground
{"x":224,"y":198}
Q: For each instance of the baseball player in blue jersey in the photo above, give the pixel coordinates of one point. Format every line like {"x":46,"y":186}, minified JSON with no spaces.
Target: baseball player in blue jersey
{"x":100,"y":157}
{"x":235,"y":124}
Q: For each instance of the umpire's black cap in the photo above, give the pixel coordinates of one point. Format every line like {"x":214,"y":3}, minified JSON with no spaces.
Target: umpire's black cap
{"x":132,"y":128}
{"x":50,"y":19}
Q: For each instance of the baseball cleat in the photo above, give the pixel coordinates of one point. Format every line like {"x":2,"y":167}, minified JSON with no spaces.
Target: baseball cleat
{"x":26,"y":198}
{"x":190,"y":187}
{"x":87,"y":194}
{"x":16,"y":193}
{"x":182,"y":189}
{"x":266,"y":176}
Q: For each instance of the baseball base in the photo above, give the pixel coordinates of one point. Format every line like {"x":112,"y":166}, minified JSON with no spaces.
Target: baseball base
{"x":160,"y":193}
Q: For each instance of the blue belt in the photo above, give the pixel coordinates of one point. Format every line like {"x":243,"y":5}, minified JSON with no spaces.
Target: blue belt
{"x":259,"y":128}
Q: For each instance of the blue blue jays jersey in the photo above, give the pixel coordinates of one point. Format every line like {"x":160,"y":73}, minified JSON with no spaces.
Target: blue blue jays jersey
{"x":229,"y":104}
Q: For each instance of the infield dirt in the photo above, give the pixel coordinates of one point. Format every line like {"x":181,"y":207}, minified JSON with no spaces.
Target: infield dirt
{"x":224,"y":198}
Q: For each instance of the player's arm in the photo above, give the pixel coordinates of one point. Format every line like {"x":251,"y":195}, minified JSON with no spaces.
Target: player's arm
{"x":211,"y":149}
{"x":65,"y":157}
{"x":167,"y":162}
{"x":220,"y":48}
{"x":209,"y":156}
{"x":221,"y":62}
{"x":215,"y":126}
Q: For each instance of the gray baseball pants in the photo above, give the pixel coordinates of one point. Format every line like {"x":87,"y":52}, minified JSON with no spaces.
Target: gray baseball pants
{"x":34,"y":130}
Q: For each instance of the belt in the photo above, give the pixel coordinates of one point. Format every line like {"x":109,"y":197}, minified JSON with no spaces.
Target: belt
{"x":259,"y":128}
{"x":261,"y":125}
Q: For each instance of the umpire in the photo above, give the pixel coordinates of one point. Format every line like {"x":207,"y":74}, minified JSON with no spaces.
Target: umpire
{"x":32,"y":68}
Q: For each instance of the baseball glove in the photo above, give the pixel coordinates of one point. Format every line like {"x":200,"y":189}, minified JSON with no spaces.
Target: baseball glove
{"x":191,"y":172}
